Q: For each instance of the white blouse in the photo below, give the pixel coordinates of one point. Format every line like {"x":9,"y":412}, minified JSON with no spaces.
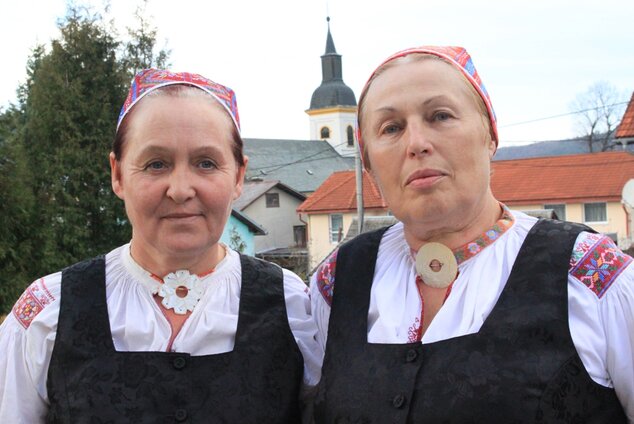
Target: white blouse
{"x":28,"y":334}
{"x":601,"y":318}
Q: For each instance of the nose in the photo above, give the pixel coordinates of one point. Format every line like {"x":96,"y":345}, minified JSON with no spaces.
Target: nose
{"x":181,"y":186}
{"x":418,"y":140}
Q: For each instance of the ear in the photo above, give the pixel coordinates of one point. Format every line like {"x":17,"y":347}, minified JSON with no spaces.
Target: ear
{"x":115,"y":176}
{"x":242,"y":170}
{"x":492,"y":147}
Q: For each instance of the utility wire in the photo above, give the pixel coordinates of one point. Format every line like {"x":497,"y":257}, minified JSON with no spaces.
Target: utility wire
{"x":562,"y":114}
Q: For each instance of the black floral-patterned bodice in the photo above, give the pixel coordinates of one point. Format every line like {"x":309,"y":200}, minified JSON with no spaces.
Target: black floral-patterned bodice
{"x":521,"y":367}
{"x":90,"y":382}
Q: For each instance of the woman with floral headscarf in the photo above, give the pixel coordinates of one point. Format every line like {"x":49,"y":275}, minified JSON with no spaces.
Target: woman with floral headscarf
{"x":465,"y":311}
{"x":174,"y":326}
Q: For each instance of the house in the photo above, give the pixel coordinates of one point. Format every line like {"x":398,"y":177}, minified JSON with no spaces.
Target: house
{"x":331,"y":209}
{"x":273,"y":206}
{"x":301,"y":164}
{"x":585,"y":188}
{"x":625,"y":131}
{"x":240,"y":232}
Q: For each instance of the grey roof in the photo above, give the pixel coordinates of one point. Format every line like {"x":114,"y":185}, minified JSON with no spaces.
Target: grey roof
{"x":332,"y":93}
{"x":370,"y":223}
{"x":253,"y":189}
{"x":302,"y":165}
{"x":253,"y":226}
{"x":547,"y":148}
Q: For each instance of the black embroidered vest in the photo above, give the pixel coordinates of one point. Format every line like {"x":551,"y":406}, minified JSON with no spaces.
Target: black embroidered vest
{"x":521,"y":367}
{"x":90,"y":382}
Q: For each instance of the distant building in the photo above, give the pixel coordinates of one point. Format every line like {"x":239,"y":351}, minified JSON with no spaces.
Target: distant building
{"x":333,"y":106}
{"x":586,"y":188}
{"x":331,"y":209}
{"x":302,"y":165}
{"x":273,"y":205}
{"x":240,"y":232}
{"x":625,"y":131}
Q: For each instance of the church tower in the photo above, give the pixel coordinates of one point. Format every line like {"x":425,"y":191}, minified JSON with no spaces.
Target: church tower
{"x":333,"y":106}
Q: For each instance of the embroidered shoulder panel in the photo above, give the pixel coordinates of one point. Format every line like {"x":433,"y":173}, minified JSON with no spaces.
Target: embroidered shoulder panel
{"x":32,"y":302}
{"x":326,"y":277}
{"x":597,"y":262}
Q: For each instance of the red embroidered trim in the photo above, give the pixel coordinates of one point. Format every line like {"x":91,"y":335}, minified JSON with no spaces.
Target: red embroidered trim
{"x":326,"y":277}
{"x":415,"y":331}
{"x":600,"y":265}
{"x":31,"y":303}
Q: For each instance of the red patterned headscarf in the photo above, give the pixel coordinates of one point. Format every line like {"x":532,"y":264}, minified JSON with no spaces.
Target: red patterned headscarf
{"x":149,"y":80}
{"x":459,"y":59}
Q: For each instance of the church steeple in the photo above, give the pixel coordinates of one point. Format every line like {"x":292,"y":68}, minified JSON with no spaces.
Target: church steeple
{"x":330,"y":45}
{"x":333,"y":105}
{"x":332,"y":91}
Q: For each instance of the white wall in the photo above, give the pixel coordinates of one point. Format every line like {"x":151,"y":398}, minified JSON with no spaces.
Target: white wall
{"x":278,"y":222}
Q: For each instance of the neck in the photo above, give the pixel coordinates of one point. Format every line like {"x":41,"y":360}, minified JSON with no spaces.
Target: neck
{"x":161,"y":264}
{"x":457,"y":232}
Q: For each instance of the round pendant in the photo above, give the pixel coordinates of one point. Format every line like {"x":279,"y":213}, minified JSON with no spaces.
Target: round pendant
{"x":181,"y":291}
{"x":436,"y":265}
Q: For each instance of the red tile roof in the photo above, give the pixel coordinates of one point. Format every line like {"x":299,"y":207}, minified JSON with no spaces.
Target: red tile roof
{"x":626,"y":127}
{"x":554,"y":179}
{"x":338,"y":194}
{"x":562,"y":179}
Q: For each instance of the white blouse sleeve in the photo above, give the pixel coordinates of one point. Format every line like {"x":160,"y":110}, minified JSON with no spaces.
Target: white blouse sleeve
{"x":322,"y":284}
{"x":298,"y":309}
{"x":616,"y":312}
{"x":27,"y":337}
{"x":601,"y":308}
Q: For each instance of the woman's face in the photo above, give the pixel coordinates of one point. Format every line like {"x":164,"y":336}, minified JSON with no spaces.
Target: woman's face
{"x":428,"y":144}
{"x":178,"y":178}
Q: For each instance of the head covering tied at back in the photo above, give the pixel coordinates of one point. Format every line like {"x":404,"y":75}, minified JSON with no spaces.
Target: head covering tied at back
{"x":149,"y":80}
{"x":456,"y":57}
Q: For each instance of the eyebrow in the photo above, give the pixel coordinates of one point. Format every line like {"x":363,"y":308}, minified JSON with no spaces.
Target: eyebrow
{"x":389,"y":109}
{"x":153,"y":148}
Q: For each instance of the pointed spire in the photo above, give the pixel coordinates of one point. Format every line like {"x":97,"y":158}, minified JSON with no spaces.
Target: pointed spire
{"x":332,"y":91}
{"x":330,"y":44}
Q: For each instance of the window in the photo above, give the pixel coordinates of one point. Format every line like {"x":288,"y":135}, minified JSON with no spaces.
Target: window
{"x":325,"y":132}
{"x":272,"y":200}
{"x":350,"y":133}
{"x":336,"y":228}
{"x":299,"y":233}
{"x":595,"y":212}
{"x":559,"y":209}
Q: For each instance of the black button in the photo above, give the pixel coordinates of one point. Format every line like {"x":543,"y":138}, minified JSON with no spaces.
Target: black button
{"x":398,"y":401}
{"x":411,"y":355}
{"x":180,"y":415}
{"x":179,"y":362}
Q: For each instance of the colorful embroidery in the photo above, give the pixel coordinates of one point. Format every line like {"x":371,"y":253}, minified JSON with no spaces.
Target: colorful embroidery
{"x":32,"y":302}
{"x":472,"y":248}
{"x":597,"y":262}
{"x":326,"y":277}
{"x":584,"y":243}
{"x":415,"y":331}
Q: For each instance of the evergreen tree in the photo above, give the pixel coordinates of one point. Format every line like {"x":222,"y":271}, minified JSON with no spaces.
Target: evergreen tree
{"x":54,"y":170}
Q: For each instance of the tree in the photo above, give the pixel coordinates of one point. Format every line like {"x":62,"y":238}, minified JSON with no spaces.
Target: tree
{"x":599,"y":111}
{"x":54,"y":145}
{"x":140,"y":51}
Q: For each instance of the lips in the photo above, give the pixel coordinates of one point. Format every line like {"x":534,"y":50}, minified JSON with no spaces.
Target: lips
{"x":180,"y":215}
{"x":424,"y":177}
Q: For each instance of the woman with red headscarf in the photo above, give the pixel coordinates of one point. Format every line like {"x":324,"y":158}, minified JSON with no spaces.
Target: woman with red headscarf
{"x":174,"y":326}
{"x":465,"y":311}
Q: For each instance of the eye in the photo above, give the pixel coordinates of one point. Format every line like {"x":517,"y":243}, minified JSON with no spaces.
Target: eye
{"x":390,"y":129}
{"x":442,"y":116}
{"x":207,"y":164}
{"x":156,"y":165}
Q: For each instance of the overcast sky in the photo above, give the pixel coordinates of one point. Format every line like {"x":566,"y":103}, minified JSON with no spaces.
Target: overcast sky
{"x":533,"y":56}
